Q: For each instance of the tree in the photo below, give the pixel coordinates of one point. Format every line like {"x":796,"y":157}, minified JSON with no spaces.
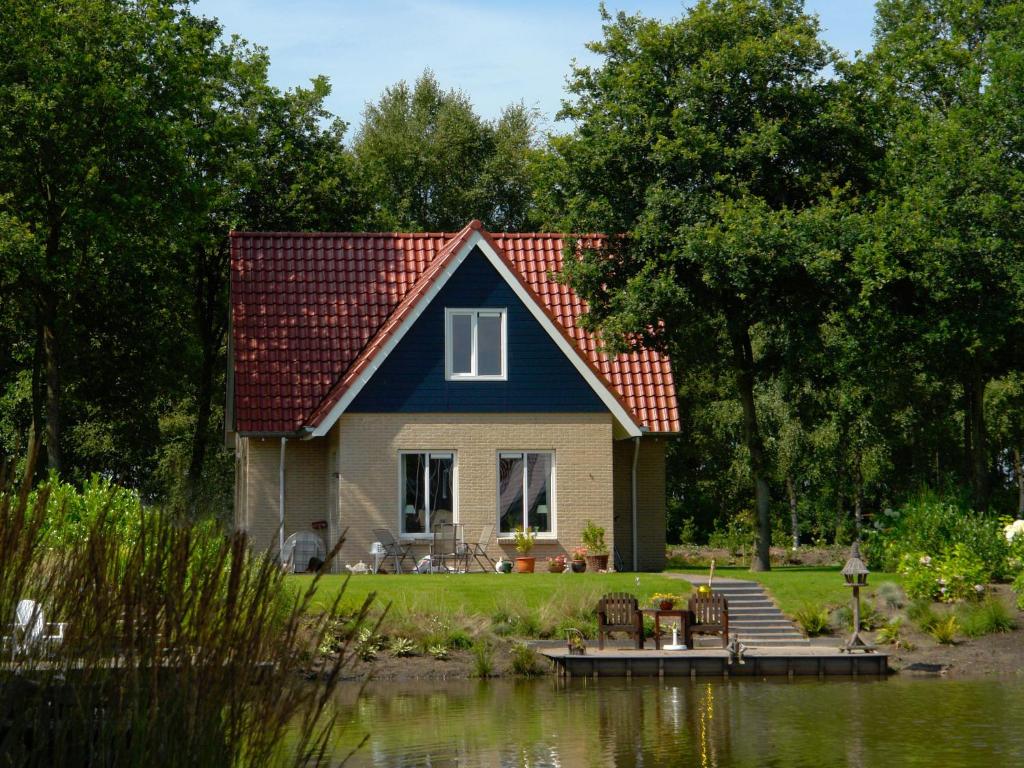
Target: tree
{"x":714,"y":145}
{"x":427,"y":161}
{"x":91,"y":94}
{"x":950,"y":247}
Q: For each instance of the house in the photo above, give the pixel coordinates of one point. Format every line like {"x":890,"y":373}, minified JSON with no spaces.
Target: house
{"x":397,"y":380}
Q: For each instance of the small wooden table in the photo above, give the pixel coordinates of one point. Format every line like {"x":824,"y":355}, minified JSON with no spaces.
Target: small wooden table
{"x":675,"y":613}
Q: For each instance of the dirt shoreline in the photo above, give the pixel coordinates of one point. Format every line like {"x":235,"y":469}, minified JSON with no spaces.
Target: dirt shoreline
{"x":999,"y":655}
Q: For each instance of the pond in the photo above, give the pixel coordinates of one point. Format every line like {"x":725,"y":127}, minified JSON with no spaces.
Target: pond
{"x":707,"y":723}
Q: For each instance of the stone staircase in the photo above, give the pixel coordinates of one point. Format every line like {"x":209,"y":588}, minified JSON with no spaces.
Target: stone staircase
{"x":753,"y":617}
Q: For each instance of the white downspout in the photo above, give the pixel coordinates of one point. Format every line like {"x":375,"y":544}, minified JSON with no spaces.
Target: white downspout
{"x":636,"y":550}
{"x":280,"y":502}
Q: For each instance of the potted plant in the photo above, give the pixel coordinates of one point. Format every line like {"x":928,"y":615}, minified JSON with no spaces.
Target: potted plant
{"x":556,"y":564}
{"x":597,"y":550}
{"x":664,"y":601}
{"x":579,"y":562}
{"x":524,"y":538}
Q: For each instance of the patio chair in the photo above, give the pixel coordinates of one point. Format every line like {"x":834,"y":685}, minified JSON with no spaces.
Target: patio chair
{"x":392,"y":547}
{"x":709,"y":615}
{"x":619,"y":612}
{"x":478,"y":550}
{"x":31,"y":630}
{"x":446,"y":551}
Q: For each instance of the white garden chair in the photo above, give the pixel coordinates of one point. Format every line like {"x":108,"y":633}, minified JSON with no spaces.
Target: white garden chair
{"x":31,"y":629}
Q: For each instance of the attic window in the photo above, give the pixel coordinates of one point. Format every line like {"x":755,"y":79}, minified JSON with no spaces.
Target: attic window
{"x":475,"y":344}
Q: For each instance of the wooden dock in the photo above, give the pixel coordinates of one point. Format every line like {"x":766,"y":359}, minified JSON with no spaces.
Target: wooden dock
{"x":803,"y":661}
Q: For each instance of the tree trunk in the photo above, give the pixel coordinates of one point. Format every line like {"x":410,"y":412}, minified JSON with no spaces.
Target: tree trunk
{"x":858,"y":494}
{"x":980,"y":485}
{"x":51,"y":363}
{"x":1018,"y":469}
{"x":209,"y":279}
{"x":743,"y":366}
{"x":794,"y":522}
{"x":51,"y":350}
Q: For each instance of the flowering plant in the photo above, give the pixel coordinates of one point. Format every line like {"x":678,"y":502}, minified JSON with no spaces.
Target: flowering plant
{"x":524,"y":538}
{"x":662,"y":599}
{"x":557,"y":560}
{"x":579,"y":553}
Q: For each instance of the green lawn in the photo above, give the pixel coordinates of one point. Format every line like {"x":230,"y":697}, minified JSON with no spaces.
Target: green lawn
{"x":486,"y":593}
{"x":795,"y":586}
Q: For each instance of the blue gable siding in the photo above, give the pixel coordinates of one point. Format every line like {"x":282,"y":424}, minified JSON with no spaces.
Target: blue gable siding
{"x":540,"y":378}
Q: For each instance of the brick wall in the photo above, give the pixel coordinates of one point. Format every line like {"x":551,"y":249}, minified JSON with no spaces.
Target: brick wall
{"x":369,"y":471}
{"x":258,"y":487}
{"x":650,"y":502}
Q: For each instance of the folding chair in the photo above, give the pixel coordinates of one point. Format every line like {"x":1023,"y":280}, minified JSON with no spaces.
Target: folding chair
{"x":392,"y":547}
{"x":478,"y":549}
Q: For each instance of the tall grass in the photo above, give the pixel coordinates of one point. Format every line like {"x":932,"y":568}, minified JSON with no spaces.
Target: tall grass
{"x":181,"y":646}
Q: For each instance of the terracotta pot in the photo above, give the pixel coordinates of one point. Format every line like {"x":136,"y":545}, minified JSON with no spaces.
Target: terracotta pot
{"x":597,"y":562}
{"x":579,"y":566}
{"x":666,"y":605}
{"x":525,"y":564}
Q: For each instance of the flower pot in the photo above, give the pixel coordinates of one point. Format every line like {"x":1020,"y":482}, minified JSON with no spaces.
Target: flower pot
{"x":579,"y":566}
{"x":525,"y":564}
{"x":597,"y":562}
{"x":666,"y":605}
{"x":555,"y":566}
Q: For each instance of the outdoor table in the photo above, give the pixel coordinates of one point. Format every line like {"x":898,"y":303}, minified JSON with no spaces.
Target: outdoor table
{"x":675,"y":613}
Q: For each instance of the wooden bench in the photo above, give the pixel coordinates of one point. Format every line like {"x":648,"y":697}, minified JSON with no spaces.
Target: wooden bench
{"x":619,"y":612}
{"x":709,"y":615}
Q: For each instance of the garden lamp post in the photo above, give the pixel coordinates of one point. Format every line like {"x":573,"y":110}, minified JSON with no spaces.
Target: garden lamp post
{"x":855,"y":572}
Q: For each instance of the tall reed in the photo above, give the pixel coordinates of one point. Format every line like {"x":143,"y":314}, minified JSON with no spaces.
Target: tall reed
{"x":182,"y":647}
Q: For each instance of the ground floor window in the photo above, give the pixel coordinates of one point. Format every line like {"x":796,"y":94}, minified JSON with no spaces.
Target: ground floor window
{"x":427,"y":490}
{"x":525,"y":491}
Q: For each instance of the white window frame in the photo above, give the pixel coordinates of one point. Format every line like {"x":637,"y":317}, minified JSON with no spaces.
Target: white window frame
{"x":552,"y":494}
{"x":427,"y":534}
{"x":475,"y":314}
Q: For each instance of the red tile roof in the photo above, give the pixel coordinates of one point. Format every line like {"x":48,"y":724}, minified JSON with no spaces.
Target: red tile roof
{"x":310,"y":311}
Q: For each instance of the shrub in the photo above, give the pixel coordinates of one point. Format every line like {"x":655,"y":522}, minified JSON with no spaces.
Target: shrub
{"x":892,"y":594}
{"x":923,"y":614}
{"x":813,"y":620}
{"x":890,"y":633}
{"x":524,"y":661}
{"x":439,"y":652}
{"x":593,"y":539}
{"x":459,"y":640}
{"x":483,"y":659}
{"x":869,"y":617}
{"x":932,"y":526}
{"x":985,"y":618}
{"x":944,"y":631}
{"x":958,"y":574}
{"x":401,"y":647}
{"x":1018,"y":589}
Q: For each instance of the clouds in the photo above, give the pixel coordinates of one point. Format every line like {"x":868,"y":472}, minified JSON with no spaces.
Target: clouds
{"x":498,"y":52}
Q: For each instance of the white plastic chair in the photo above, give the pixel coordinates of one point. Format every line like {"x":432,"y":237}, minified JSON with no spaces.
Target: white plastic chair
{"x":31,"y":628}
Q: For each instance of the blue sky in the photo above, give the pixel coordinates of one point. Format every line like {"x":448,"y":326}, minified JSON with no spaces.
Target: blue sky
{"x":498,"y":52}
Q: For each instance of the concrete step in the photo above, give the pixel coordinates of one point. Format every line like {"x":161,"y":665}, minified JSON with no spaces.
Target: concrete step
{"x":754,"y":613}
{"x":761,"y":624}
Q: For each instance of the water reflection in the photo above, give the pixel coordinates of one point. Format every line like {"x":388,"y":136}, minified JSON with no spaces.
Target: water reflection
{"x":712,"y":724}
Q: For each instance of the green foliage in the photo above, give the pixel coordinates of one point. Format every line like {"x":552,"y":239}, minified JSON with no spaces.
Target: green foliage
{"x":813,"y":620}
{"x":218,"y":622}
{"x":923,"y":613}
{"x":959,"y":574}
{"x":870,"y":618}
{"x":525,"y":661}
{"x":427,"y":161}
{"x":524,"y":539}
{"x":1018,"y":588}
{"x":483,"y":659}
{"x":891,"y":632}
{"x":439,"y":651}
{"x":985,"y":618}
{"x":400,"y":647}
{"x":930,"y":526}
{"x":593,"y":539}
{"x":944,"y":631}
